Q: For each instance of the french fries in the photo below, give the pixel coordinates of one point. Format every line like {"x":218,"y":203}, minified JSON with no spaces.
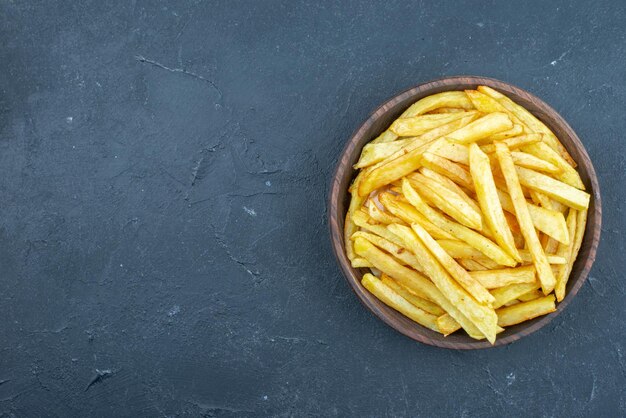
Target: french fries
{"x":417,"y":125}
{"x":483,"y":127}
{"x":492,"y":279}
{"x":392,"y":299}
{"x":557,"y":190}
{"x":525,"y":311}
{"x":540,"y":260}
{"x":488,"y":200}
{"x":469,"y":213}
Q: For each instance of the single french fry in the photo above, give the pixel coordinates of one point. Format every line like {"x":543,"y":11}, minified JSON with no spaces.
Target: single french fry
{"x":414,"y":281}
{"x":447,"y":325}
{"x":452,"y":151}
{"x":487,"y":195}
{"x":462,"y":277}
{"x":484,"y":103}
{"x":381,"y":216}
{"x":373,"y":153}
{"x":565,"y":251}
{"x":548,"y":221}
{"x":459,"y":249}
{"x":349,"y":228}
{"x":471,"y":265}
{"x":506,"y":294}
{"x":525,"y":160}
{"x":525,"y":311}
{"x":415,"y":300}
{"x":392,"y":299}
{"x":480,"y":316}
{"x":534,"y":294}
{"x":544,"y":272}
{"x":359,"y":262}
{"x":559,"y":191}
{"x":417,"y":125}
{"x":448,"y":184}
{"x":456,"y":99}
{"x":492,"y":279}
{"x":449,"y":169}
{"x":457,"y":231}
{"x":516,"y":130}
{"x":446,"y":110}
{"x":482,"y":127}
{"x":386,"y":136}
{"x":448,"y":202}
{"x":567,"y":174}
{"x":488,"y":263}
{"x":513,"y":142}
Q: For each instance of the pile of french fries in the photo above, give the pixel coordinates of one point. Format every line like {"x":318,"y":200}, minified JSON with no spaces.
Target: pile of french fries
{"x":469,"y":213}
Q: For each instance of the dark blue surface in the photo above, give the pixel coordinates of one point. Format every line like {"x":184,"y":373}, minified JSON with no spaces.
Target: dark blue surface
{"x":163,"y":239}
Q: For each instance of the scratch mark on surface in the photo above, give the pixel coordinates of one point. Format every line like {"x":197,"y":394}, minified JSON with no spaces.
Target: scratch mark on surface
{"x":51,"y":331}
{"x":560,"y":58}
{"x":100,"y":376}
{"x":143,"y":59}
{"x":249,"y":211}
{"x":2,"y":382}
{"x":592,"y":395}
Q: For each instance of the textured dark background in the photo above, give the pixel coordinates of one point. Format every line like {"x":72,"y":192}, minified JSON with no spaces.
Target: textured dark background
{"x":163,"y":175}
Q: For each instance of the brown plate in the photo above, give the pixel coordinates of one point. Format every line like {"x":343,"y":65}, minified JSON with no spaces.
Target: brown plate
{"x":339,"y":198}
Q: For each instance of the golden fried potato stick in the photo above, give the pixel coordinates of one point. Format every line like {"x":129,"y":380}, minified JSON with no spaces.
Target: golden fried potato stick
{"x":386,"y":136}
{"x":481,"y":316}
{"x":544,"y":272}
{"x":559,"y":191}
{"x":506,"y":294}
{"x":449,"y":169}
{"x":567,"y":251}
{"x":525,"y":160}
{"x":382,"y":216}
{"x":483,"y":127}
{"x":359,"y":262}
{"x":415,"y":300}
{"x":373,"y":153}
{"x":516,"y":130}
{"x":525,"y":311}
{"x":532,"y":295}
{"x":458,"y":231}
{"x":456,"y":99}
{"x":446,"y":110}
{"x":392,"y":299}
{"x":418,"y":125}
{"x":487,"y":195}
{"x":492,"y":279}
